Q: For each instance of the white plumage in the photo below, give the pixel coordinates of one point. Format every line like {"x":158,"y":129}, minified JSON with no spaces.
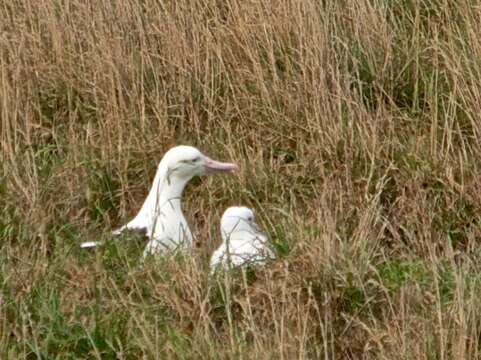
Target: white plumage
{"x":161,"y":214}
{"x":242,"y":241}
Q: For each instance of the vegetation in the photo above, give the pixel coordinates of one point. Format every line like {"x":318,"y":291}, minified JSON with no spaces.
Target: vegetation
{"x":356,"y":125}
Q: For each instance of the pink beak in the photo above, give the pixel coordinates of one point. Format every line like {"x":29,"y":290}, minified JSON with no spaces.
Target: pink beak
{"x":212,"y":166}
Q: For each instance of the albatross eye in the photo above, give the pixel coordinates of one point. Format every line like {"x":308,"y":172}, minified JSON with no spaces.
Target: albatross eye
{"x":191,"y":161}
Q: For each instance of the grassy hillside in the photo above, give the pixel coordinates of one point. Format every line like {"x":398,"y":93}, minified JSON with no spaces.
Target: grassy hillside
{"x":356,"y":125}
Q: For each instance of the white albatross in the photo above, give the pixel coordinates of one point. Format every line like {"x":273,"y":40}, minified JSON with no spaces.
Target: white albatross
{"x":242,"y":241}
{"x":161,"y":214}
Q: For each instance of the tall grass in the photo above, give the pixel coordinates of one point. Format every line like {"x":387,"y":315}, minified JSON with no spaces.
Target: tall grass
{"x":356,"y":125}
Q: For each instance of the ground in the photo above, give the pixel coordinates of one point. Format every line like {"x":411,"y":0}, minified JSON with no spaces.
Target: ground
{"x":356,"y":128}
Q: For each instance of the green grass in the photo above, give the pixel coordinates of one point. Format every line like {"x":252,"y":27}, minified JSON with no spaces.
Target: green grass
{"x":355,"y":126}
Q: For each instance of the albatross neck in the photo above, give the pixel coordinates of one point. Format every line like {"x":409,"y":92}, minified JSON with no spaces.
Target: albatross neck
{"x":165,"y":188}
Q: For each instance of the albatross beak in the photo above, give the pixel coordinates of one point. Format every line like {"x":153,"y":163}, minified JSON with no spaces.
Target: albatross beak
{"x":212,"y":166}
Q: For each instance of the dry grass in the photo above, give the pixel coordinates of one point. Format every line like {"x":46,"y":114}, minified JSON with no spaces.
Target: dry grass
{"x":356,"y":125}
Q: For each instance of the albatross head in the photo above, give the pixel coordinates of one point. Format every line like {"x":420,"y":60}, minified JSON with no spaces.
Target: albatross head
{"x":238,"y":219}
{"x":187,"y":161}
